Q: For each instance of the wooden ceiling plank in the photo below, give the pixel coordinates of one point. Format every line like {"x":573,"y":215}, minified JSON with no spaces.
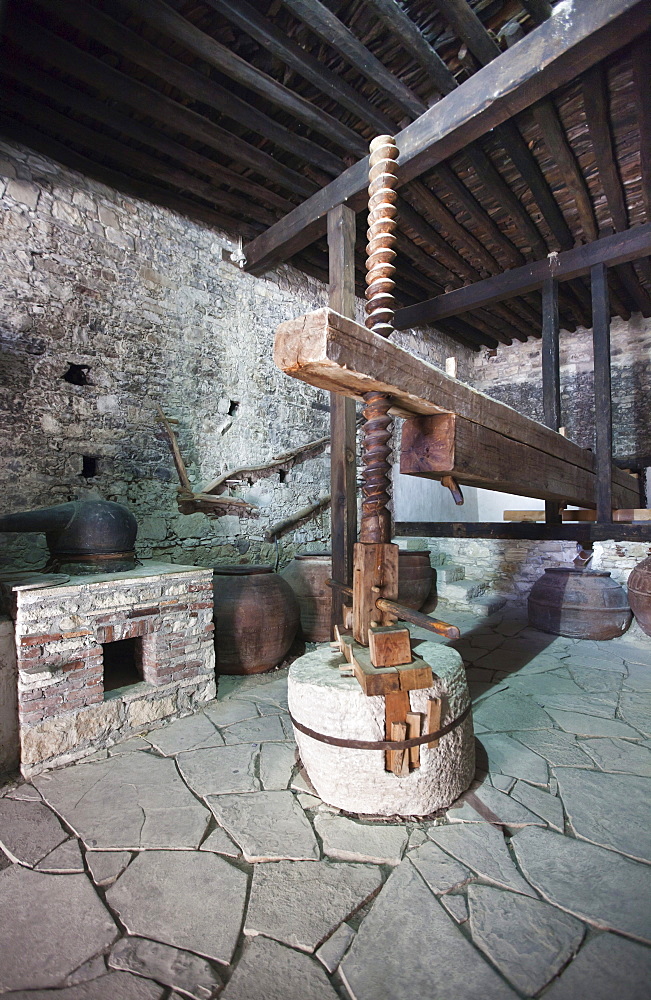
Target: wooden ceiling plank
{"x":130,"y":45}
{"x":543,"y":61}
{"x":330,"y":29}
{"x":411,"y":38}
{"x":126,"y":157}
{"x":506,"y":325}
{"x":466,"y":24}
{"x":424,"y":199}
{"x":641,"y":55}
{"x":555,"y":139}
{"x":504,"y":196}
{"x":566,"y":266}
{"x":477,"y":213}
{"x":83,"y":103}
{"x":332,"y":85}
{"x":166,"y":20}
{"x":24,"y":133}
{"x":55,"y":51}
{"x":408,"y":216}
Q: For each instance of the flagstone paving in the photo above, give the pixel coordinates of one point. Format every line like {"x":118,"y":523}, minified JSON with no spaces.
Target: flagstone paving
{"x":197,"y":854}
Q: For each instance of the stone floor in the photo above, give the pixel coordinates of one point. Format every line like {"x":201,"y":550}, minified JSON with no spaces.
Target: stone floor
{"x":195,"y":860}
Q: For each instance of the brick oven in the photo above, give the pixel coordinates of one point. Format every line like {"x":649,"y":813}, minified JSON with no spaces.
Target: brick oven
{"x":99,"y":658}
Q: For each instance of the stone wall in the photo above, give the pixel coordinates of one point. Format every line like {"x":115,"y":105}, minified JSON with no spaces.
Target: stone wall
{"x":513,"y":375}
{"x":142,"y":297}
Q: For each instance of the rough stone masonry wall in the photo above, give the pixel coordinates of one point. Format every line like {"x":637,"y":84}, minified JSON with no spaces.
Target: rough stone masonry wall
{"x":142,"y":297}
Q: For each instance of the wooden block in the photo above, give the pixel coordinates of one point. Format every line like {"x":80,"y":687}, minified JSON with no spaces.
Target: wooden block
{"x":396,"y":707}
{"x":415,"y":676}
{"x":375,"y":564}
{"x":399,"y":759}
{"x":433,"y":720}
{"x":414,"y":723}
{"x":373,"y":680}
{"x":389,"y":646}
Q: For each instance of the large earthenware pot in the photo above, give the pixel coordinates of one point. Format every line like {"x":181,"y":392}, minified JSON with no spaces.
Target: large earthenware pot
{"x":579,"y":603}
{"x":639,"y":594}
{"x":414,"y":577}
{"x":307,"y":575}
{"x":256,"y":618}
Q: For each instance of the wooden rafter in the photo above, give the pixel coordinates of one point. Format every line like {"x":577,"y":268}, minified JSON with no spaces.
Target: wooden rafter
{"x":522,"y":75}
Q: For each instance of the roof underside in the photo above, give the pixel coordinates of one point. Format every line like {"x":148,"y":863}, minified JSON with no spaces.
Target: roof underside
{"x":235,"y":111}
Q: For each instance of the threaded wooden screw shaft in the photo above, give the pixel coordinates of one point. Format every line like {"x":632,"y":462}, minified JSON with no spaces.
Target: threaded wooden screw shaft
{"x":380,"y":306}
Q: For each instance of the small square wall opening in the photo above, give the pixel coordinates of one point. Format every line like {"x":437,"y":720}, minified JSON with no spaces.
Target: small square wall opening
{"x":122,"y":663}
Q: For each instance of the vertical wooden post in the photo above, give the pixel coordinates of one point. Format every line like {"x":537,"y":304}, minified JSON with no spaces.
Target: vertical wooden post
{"x":602,"y":396}
{"x":343,"y":443}
{"x":551,"y":380}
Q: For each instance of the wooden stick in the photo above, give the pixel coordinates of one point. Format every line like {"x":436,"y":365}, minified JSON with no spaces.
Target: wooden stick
{"x":396,"y":706}
{"x":414,"y":722}
{"x":301,"y":517}
{"x":280,"y":463}
{"x":176,"y":452}
{"x":399,"y":758}
{"x":433,"y":721}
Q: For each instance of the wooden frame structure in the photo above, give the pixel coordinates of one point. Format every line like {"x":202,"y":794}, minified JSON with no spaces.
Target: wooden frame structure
{"x":515,"y":80}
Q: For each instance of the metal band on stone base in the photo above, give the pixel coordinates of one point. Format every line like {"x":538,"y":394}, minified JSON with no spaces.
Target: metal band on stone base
{"x":416,"y":741}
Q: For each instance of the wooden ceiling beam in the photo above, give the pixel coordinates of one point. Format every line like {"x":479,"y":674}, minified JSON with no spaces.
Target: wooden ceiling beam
{"x":414,"y":42}
{"x":596,"y":105}
{"x":131,"y":46}
{"x":566,"y":266}
{"x":126,"y":158}
{"x":641,"y":56}
{"x":468,"y":27}
{"x":544,"y":60}
{"x":337,"y":36}
{"x":275,"y":41}
{"x":478,"y":214}
{"x":24,"y":133}
{"x":81,"y":102}
{"x":166,"y":20}
{"x":52,"y":50}
{"x":428,"y":203}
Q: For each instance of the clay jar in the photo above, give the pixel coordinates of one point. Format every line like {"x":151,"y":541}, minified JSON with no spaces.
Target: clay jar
{"x":579,"y":603}
{"x":307,"y":575}
{"x":639,"y":594}
{"x":256,"y":618}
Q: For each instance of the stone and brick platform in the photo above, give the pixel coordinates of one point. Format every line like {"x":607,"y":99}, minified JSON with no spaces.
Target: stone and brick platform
{"x":68,"y":705}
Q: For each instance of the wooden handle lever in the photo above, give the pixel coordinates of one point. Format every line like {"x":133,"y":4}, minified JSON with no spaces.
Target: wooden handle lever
{"x":406,"y":614}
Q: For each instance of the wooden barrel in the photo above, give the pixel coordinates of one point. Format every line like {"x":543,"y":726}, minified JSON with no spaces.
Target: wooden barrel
{"x":307,"y":575}
{"x":414,"y":577}
{"x":639,"y":594}
{"x":256,"y":618}
{"x":579,"y":603}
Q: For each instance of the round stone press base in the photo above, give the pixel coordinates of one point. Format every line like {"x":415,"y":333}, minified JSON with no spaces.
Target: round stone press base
{"x":356,"y":780}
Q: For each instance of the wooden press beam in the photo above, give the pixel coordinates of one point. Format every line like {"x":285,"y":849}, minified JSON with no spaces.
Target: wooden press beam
{"x":343,"y":431}
{"x":580,"y":532}
{"x":335,"y":353}
{"x":446,"y":444}
{"x":546,"y":59}
{"x":611,"y":250}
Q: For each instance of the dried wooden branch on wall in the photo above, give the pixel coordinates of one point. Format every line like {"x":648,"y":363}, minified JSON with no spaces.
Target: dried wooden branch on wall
{"x":281,"y":463}
{"x":297,"y":520}
{"x":190,"y":502}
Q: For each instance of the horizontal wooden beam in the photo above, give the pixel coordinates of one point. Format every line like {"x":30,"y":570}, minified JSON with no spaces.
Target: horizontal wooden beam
{"x":445,"y":444}
{"x":331,"y":352}
{"x":611,"y":250}
{"x":552,"y":55}
{"x":580,"y":532}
